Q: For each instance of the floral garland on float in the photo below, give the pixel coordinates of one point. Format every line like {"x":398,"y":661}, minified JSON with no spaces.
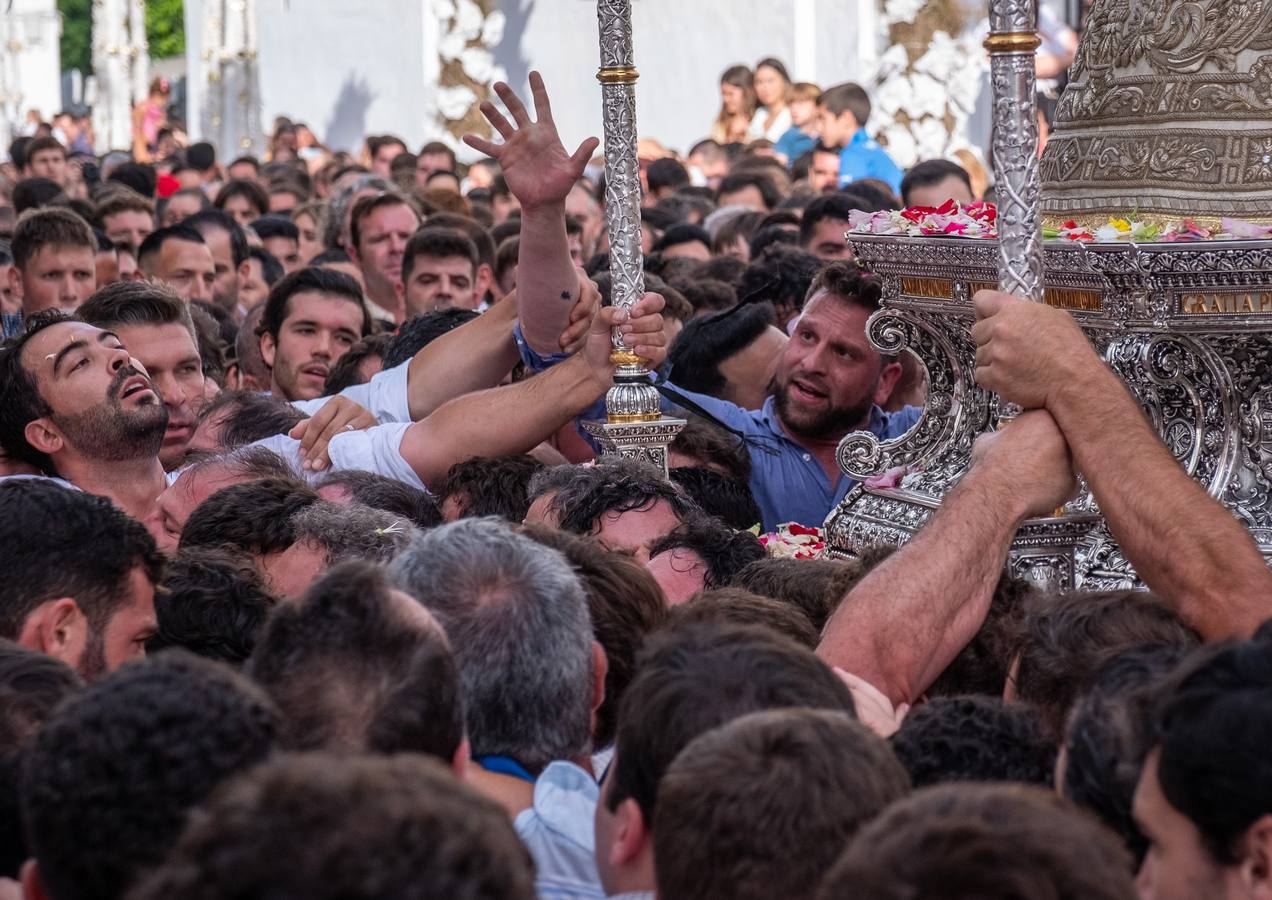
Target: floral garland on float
{"x":978,"y":220}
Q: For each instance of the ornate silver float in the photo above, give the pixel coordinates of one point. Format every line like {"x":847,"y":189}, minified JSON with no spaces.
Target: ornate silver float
{"x":1168,"y":114}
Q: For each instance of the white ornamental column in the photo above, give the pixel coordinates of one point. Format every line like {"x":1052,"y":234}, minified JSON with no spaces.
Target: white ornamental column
{"x":112,"y":113}
{"x":138,"y":50}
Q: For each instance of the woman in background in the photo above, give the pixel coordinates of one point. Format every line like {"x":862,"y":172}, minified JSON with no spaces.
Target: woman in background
{"x":772,"y":117}
{"x":737,"y":106}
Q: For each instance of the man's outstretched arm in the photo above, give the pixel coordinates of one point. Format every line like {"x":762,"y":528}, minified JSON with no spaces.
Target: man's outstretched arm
{"x":1183,"y":543}
{"x":911,"y":615}
{"x":517,"y":417}
{"x":540,"y":174}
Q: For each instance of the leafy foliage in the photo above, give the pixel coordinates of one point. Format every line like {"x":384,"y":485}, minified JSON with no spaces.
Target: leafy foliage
{"x":77,"y":34}
{"x":165,"y":28}
{"x":165,"y":31}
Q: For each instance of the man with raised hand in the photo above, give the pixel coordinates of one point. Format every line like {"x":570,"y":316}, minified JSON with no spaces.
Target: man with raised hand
{"x":1185,"y":546}
{"x":540,"y":173}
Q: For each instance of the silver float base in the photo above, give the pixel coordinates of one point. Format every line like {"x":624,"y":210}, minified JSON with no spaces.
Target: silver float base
{"x":1187,"y":327}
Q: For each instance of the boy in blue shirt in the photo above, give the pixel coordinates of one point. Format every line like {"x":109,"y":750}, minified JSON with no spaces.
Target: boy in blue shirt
{"x":842,"y":112}
{"x":801,"y":137}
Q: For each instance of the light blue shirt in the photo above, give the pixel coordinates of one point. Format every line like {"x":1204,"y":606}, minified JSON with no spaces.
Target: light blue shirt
{"x":788,"y":482}
{"x":864,"y":158}
{"x":559,"y":831}
{"x":794,"y":144}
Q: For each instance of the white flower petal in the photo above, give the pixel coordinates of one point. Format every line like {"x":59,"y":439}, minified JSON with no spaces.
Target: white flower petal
{"x":469,"y":19}
{"x":477,"y":63}
{"x":455,"y":101}
{"x":451,"y":46}
{"x":493,"y":31}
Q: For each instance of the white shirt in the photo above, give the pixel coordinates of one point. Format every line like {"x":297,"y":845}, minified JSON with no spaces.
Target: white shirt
{"x":386,"y":396}
{"x":559,"y":831}
{"x":377,"y":450}
{"x":780,"y":125}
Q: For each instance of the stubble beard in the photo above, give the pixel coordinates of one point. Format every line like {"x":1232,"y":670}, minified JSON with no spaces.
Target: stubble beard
{"x":831,"y":423}
{"x":111,"y":433}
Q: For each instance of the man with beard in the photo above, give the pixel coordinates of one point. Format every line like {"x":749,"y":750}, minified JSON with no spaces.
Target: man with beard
{"x":78,"y":406}
{"x":829,"y":383}
{"x":155,"y":324}
{"x":79,"y":579}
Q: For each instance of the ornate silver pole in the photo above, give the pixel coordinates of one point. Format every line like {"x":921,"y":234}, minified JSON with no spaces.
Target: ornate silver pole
{"x":1012,"y":42}
{"x":634,"y":426}
{"x":1013,"y":38}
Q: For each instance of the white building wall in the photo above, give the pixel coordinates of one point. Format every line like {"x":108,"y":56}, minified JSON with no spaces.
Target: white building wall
{"x":347,"y":68}
{"x":32,"y":77}
{"x":682,"y":46}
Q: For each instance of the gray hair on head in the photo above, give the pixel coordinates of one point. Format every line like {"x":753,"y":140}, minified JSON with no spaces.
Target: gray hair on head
{"x":255,"y":463}
{"x":353,"y":531}
{"x":517,"y":619}
{"x":342,"y":202}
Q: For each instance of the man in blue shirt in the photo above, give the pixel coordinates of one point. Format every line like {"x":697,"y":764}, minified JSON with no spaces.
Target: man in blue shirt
{"x":829,"y":382}
{"x":843,"y":111}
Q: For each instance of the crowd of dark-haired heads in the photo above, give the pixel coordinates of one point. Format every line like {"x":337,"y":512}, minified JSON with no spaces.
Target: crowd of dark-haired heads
{"x":316,"y":587}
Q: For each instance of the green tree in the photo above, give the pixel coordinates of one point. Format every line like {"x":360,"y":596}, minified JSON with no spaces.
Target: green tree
{"x":77,"y":34}
{"x":165,"y":31}
{"x":165,"y":28}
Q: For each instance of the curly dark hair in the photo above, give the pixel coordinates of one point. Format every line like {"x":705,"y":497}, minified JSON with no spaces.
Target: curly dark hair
{"x":1110,"y":732}
{"x":724,"y":550}
{"x":32,"y":684}
{"x":847,"y":282}
{"x":213,"y":603}
{"x":615,"y":485}
{"x":148,"y":744}
{"x":491,"y":486}
{"x":974,"y":739}
{"x":781,"y":275}
{"x":726,"y":497}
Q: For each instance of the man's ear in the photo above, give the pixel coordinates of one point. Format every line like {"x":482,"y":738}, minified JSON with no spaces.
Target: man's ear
{"x":15,"y":282}
{"x":353,"y":252}
{"x":600,"y":668}
{"x":32,"y":887}
{"x":44,"y":436}
{"x":267,"y":348}
{"x":889,"y":375}
{"x":1255,"y":869}
{"x":631,"y":834}
{"x":56,"y":628}
{"x":485,"y":281}
{"x":245,"y":269}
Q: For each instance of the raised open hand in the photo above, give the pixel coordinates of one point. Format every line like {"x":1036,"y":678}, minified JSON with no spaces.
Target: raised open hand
{"x":535,"y":163}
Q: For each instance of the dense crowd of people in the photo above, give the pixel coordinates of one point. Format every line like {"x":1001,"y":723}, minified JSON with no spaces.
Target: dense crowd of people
{"x":316,"y":587}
